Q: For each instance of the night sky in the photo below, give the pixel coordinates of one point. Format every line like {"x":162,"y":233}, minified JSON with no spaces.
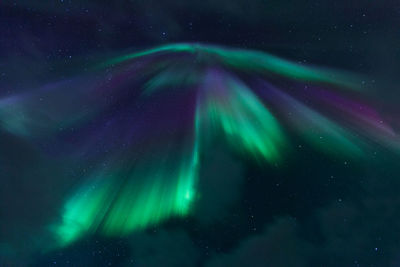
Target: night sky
{"x":199,"y":133}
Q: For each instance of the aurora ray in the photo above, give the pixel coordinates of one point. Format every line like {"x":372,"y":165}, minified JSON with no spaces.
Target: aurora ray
{"x":143,"y":122}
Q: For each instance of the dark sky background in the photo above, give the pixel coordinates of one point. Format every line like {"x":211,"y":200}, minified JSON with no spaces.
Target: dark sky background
{"x":315,"y":211}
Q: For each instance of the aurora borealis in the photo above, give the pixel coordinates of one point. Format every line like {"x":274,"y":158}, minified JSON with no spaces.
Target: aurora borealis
{"x":136,"y":185}
{"x":228,"y":153}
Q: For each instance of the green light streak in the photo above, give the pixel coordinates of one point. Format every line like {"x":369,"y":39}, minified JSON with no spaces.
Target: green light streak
{"x":172,"y":78}
{"x":321,"y":132}
{"x":117,"y":204}
{"x":157,"y":50}
{"x":248,"y":125}
{"x":250,"y":61}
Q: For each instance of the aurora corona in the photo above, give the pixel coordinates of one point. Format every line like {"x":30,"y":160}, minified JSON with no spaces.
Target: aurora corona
{"x":144,"y":121}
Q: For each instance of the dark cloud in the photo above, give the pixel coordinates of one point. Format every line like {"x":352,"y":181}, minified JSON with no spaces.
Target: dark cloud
{"x":347,"y":232}
{"x":162,"y":248}
{"x":278,"y":245}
